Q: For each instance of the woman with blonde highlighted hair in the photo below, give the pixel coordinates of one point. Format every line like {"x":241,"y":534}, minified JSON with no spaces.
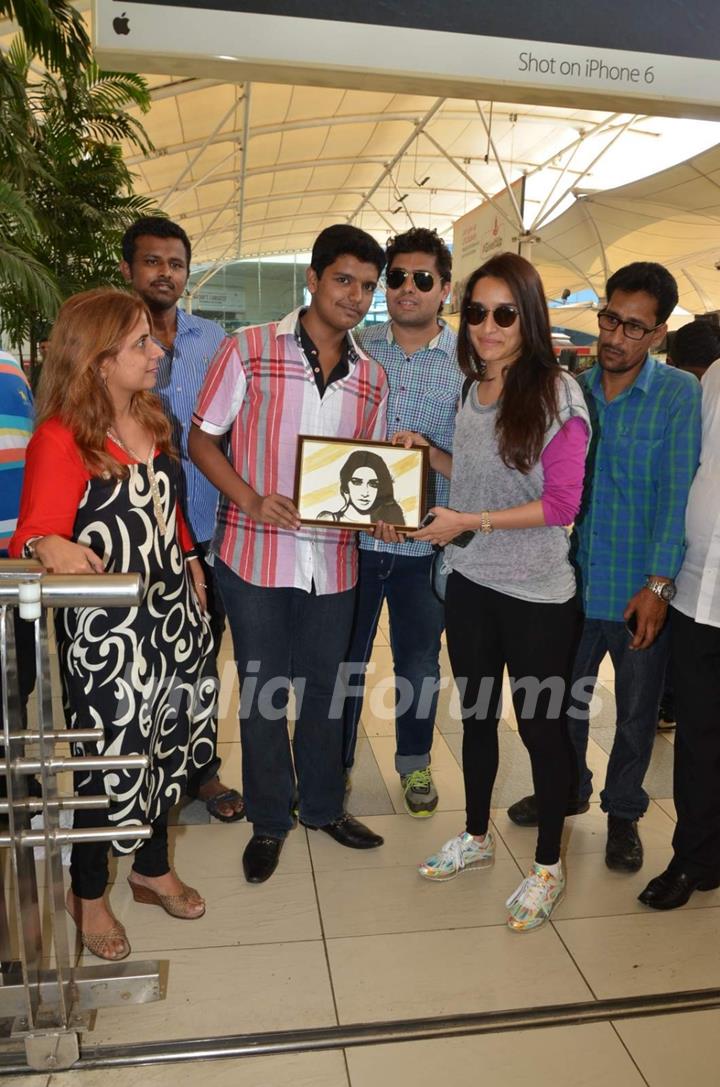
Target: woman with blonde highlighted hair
{"x":99,"y":497}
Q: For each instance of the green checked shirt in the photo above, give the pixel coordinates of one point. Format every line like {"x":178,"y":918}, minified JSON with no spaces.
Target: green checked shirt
{"x":641,"y":462}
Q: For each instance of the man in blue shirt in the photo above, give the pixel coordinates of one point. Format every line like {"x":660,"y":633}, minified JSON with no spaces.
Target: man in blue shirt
{"x":418,"y":353}
{"x":156,"y":261}
{"x":630,"y":541}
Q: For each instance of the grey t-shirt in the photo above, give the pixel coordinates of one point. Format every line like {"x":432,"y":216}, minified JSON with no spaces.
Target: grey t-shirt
{"x":527,"y":563}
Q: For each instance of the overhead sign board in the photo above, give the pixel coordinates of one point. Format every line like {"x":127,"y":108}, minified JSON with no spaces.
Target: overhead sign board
{"x":662,"y":59}
{"x":490,"y":228}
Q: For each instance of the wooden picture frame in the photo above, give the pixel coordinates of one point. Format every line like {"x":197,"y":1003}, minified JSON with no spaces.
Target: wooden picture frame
{"x":350,"y":483}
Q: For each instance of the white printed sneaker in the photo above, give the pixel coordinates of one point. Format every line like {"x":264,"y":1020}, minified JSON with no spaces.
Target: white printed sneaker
{"x":458,"y":855}
{"x":535,"y":899}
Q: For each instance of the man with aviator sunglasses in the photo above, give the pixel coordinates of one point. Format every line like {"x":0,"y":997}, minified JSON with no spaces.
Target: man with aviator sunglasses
{"x":419,"y":355}
{"x":629,"y":542}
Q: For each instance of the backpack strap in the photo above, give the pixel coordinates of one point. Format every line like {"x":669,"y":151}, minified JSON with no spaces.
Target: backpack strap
{"x":466,"y":387}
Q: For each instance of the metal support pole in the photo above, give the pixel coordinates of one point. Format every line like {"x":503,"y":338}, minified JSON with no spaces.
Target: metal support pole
{"x":50,"y":1006}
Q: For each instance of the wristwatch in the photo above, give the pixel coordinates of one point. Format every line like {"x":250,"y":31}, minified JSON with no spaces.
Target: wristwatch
{"x":28,"y":551}
{"x":664,"y":589}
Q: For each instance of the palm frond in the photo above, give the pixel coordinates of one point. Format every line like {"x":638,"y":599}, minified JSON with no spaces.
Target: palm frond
{"x":15,"y":212}
{"x":53,"y":29}
{"x":21,"y":271}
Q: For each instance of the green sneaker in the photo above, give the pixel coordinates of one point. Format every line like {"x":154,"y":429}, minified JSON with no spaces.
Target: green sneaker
{"x":419,"y":793}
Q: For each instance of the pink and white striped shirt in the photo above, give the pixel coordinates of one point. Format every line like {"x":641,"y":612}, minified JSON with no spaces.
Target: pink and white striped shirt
{"x":261,"y":388}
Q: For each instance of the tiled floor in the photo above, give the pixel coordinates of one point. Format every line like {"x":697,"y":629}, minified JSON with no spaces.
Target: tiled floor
{"x":341,"y":937}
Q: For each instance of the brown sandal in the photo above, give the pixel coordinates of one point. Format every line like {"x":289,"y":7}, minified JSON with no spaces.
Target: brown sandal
{"x":175,"y":905}
{"x":99,"y":943}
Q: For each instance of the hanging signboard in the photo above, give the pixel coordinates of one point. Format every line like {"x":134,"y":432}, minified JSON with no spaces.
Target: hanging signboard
{"x":612,"y":55}
{"x":491,"y":227}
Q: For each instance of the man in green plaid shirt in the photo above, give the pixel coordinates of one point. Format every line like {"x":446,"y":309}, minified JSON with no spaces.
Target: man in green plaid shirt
{"x":629,"y":541}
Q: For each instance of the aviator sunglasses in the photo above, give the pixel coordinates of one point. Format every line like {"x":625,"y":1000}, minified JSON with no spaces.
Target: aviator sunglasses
{"x":504,"y":315}
{"x":424,"y":281}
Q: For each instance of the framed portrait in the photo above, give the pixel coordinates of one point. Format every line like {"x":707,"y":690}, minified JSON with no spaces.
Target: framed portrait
{"x":354,"y":484}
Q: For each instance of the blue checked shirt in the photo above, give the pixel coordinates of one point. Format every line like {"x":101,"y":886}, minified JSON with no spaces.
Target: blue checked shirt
{"x":641,"y":462}
{"x":181,"y":374}
{"x":424,"y":392}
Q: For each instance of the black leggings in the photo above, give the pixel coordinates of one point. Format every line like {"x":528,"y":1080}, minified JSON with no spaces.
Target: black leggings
{"x":485,"y":631}
{"x":89,"y":871}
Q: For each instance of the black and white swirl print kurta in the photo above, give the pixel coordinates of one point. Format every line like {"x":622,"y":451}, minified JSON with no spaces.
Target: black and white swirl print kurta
{"x":145,"y":675}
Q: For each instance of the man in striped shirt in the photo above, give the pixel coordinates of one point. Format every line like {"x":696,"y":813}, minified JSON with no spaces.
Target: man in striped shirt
{"x":156,"y":262}
{"x":289,"y":589}
{"x":418,"y":352}
{"x":630,"y":541}
{"x":16,"y":427}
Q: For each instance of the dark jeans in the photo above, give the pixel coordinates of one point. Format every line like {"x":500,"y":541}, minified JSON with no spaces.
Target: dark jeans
{"x":696,"y":786}
{"x":639,"y":675}
{"x":214,"y":599}
{"x":416,"y":623}
{"x":89,"y":871}
{"x":485,"y":631}
{"x":217,"y":625}
{"x":285,"y":637}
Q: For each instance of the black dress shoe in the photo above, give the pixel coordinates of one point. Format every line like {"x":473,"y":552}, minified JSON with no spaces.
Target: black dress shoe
{"x":524,"y":812}
{"x":672,"y":889}
{"x":624,"y":851}
{"x":260,"y":858}
{"x":348,"y":831}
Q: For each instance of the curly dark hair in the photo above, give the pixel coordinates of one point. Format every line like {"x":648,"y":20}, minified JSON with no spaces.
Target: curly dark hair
{"x":654,"y":279}
{"x":335,"y":241}
{"x":153,"y":226}
{"x":420,"y":240}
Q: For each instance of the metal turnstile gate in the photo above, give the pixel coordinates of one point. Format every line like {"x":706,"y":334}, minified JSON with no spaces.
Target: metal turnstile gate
{"x":50,"y":1005}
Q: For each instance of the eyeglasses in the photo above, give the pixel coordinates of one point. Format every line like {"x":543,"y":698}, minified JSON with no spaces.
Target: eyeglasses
{"x":503,"y":315}
{"x":424,"y":281}
{"x":632,"y":329}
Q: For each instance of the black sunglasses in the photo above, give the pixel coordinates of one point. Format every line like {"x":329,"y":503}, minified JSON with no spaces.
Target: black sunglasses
{"x":503,"y":315}
{"x":424,"y":281}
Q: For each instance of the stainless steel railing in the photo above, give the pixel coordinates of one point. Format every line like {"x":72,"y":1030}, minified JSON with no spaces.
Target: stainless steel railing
{"x":50,"y":1007}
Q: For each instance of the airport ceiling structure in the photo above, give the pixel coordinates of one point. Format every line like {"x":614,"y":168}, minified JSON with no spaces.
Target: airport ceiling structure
{"x":672,"y":216}
{"x":256,"y":169}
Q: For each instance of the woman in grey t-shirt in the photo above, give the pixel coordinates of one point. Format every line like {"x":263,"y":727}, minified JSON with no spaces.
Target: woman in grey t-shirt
{"x":517,"y":470}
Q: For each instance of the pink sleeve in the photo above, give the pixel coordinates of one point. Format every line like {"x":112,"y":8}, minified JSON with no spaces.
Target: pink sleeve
{"x":563,"y":462}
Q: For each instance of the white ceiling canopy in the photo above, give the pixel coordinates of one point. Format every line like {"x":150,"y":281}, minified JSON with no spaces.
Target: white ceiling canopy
{"x":257,"y":169}
{"x":672,"y":217}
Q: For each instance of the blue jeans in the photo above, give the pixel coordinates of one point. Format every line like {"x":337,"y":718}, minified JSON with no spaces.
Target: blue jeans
{"x":283,"y":637}
{"x":639,"y":676}
{"x":416,"y":623}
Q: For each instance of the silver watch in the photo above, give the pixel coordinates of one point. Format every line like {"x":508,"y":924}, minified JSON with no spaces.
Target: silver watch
{"x":28,"y":551}
{"x":664,"y":589}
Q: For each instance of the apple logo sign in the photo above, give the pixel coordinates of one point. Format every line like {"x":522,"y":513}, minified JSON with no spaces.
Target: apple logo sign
{"x":121,"y":24}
